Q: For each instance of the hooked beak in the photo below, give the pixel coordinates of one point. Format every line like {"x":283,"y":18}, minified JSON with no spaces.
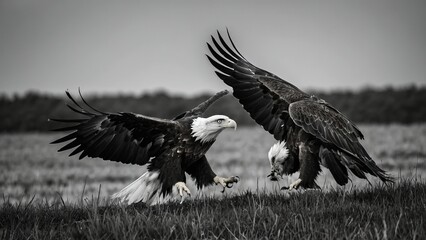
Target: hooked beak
{"x":232,"y":124}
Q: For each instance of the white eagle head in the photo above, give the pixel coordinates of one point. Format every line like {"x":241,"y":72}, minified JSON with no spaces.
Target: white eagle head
{"x":207,"y":129}
{"x":277,"y":156}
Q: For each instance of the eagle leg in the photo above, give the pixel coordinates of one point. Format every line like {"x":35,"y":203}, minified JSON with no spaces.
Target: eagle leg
{"x":309,"y":165}
{"x":181,"y":186}
{"x":226,"y":182}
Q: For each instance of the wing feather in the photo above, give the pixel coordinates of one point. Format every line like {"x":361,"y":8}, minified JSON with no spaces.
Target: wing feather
{"x":223,"y":52}
{"x":121,"y":137}
{"x":260,"y":92}
{"x":66,"y":138}
{"x":70,"y":145}
{"x":328,"y":126}
{"x":228,"y":48}
{"x":79,"y":111}
{"x":76,"y":150}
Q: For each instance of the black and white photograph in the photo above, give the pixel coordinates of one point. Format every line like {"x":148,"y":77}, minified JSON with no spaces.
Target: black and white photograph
{"x":190,"y":119}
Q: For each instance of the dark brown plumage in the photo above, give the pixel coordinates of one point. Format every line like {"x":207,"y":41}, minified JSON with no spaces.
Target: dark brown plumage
{"x":315,"y":131}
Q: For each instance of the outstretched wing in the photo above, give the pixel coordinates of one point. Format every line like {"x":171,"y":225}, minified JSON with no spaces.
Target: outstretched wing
{"x":120,"y":137}
{"x":271,"y":100}
{"x":264,"y":95}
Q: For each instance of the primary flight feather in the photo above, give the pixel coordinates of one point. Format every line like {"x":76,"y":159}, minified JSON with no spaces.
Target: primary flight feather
{"x":309,"y":130}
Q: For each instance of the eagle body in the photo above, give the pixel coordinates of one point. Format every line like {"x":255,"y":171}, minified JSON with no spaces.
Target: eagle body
{"x":310,"y":132}
{"x":187,"y":154}
{"x":170,"y":148}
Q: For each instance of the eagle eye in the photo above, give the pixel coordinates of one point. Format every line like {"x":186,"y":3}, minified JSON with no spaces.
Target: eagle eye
{"x":219,"y":121}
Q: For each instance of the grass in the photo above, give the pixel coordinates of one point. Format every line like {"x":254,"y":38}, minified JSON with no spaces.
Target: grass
{"x":379,"y":212}
{"x":48,"y":195}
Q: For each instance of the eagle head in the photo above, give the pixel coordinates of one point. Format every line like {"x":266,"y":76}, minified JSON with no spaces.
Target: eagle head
{"x":277,"y":156}
{"x":207,"y":129}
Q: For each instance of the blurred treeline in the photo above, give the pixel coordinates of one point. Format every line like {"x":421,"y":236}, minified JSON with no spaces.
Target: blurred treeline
{"x":31,"y":111}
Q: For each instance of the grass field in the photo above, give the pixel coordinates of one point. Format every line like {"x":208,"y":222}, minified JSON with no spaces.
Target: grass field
{"x":381,"y":212}
{"x":49,"y":195}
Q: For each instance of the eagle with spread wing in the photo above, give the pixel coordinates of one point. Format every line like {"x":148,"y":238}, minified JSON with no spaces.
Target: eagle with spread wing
{"x":171,"y":148}
{"x":309,"y":130}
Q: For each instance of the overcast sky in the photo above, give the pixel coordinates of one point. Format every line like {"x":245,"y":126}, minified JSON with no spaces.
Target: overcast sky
{"x":106,"y":46}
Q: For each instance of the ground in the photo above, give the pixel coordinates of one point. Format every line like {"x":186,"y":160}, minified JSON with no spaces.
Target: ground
{"x":48,"y":195}
{"x":381,"y":212}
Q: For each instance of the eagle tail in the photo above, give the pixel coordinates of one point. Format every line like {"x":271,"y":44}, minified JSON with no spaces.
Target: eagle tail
{"x":145,"y":189}
{"x":361,"y":166}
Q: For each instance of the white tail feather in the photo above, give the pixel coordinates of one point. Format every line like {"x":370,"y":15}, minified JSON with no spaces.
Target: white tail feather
{"x":145,"y":189}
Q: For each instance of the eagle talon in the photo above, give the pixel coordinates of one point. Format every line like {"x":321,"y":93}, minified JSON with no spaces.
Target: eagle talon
{"x":181,"y":186}
{"x":226,"y":182}
{"x":295,"y":184}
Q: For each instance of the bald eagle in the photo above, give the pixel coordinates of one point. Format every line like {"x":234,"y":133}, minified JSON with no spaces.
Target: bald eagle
{"x":309,"y":130}
{"x":171,"y":148}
